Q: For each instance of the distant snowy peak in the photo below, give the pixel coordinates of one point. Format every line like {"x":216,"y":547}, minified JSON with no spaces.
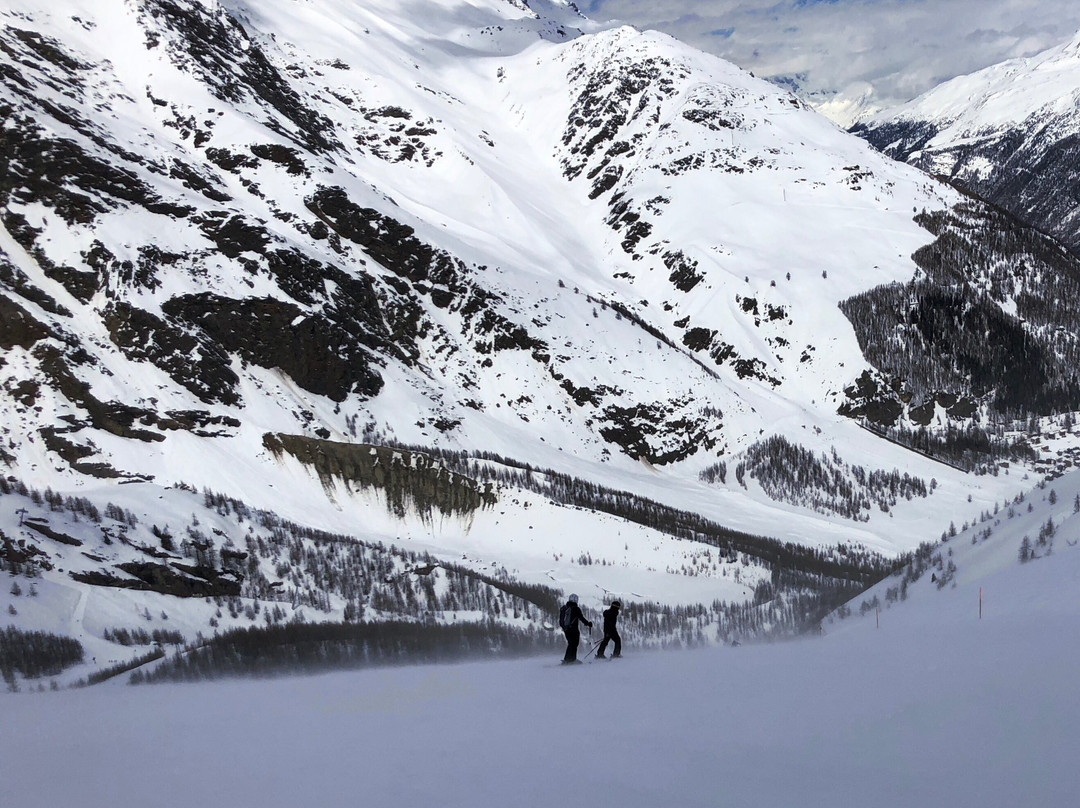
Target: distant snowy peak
{"x":848,"y":108}
{"x":1007,"y":93}
{"x":845,"y":108}
{"x":1006,"y":133}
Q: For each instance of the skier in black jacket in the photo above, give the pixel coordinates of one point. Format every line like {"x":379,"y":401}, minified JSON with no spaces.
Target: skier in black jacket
{"x":569,"y":617}
{"x":611,"y":615}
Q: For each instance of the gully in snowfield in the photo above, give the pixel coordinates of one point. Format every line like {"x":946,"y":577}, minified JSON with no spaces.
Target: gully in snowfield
{"x":569,"y":616}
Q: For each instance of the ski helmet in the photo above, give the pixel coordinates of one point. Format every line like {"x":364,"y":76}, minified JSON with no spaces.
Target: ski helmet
{"x":616,"y":605}
{"x":573,"y":598}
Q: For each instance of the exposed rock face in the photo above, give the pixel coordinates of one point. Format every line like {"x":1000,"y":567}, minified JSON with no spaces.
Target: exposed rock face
{"x":319,"y":355}
{"x":199,"y":364}
{"x":149,"y":577}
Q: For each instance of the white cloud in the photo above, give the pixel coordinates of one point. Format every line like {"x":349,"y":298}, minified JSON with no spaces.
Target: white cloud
{"x":898,"y":48}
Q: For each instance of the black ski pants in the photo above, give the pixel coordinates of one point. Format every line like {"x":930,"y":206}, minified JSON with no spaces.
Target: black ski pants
{"x":612,"y":636}
{"x":573,"y":637}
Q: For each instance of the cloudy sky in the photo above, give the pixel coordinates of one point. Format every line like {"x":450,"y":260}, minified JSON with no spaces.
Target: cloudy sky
{"x":896,"y":48}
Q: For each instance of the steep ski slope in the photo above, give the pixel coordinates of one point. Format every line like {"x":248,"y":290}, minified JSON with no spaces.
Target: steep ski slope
{"x":1007,"y":132}
{"x":1019,"y":556}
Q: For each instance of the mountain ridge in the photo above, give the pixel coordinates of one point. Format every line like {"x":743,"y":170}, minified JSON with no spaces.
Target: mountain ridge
{"x":1006,"y":133}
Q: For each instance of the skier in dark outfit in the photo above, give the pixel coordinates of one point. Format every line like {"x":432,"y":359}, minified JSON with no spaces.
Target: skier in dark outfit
{"x":569,"y":625}
{"x":611,"y":633}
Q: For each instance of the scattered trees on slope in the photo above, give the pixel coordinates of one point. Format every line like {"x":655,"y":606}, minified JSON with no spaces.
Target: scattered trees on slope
{"x":791,"y":473}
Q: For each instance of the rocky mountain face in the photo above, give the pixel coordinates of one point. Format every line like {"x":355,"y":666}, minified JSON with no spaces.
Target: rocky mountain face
{"x":222,"y":222}
{"x":480,"y":262}
{"x":1007,"y":133}
{"x":235,"y":217}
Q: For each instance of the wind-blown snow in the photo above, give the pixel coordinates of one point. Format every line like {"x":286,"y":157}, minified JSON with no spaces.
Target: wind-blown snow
{"x":934,"y":707}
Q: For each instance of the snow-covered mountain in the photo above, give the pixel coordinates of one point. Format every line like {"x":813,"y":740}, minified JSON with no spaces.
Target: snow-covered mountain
{"x":1007,"y":133}
{"x":568,"y":307}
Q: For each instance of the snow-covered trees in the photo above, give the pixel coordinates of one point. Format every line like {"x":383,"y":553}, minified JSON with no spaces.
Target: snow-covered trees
{"x":1025,"y":550}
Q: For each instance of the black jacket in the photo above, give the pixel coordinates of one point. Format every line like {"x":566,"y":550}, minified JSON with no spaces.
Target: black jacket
{"x":610,"y":616}
{"x":575,"y":616}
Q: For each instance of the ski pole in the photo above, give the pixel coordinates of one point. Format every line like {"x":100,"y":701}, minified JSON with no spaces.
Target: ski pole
{"x":592,"y":649}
